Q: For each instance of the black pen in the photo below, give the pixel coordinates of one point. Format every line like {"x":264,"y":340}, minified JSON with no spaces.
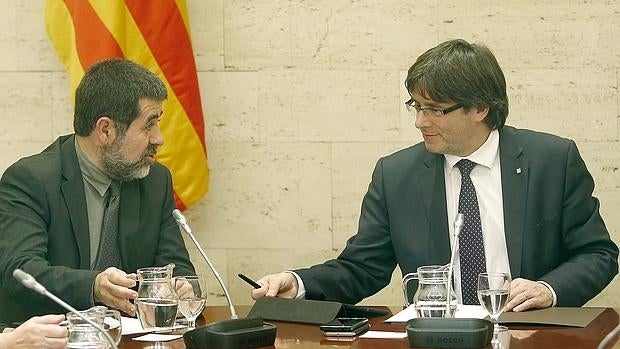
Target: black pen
{"x":249,"y":281}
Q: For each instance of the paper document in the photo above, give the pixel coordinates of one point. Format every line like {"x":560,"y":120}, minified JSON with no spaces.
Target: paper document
{"x":562,"y":316}
{"x":384,"y":335}
{"x":462,"y":312}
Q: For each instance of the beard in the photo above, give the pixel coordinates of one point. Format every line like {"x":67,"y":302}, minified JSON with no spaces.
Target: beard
{"x":116,"y":165}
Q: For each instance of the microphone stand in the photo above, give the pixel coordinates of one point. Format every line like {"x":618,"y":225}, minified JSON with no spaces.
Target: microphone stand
{"x":30,"y":282}
{"x":182,"y":222}
{"x":458,"y":226}
{"x":613,"y":333}
{"x":228,"y":334}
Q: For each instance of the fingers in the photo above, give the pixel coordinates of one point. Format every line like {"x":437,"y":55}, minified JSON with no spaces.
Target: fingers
{"x":39,"y":331}
{"x":276,"y":285}
{"x":49,"y":319}
{"x":112,"y":289}
{"x":119,"y":277}
{"x":528,"y":294}
{"x":260,"y":292}
{"x":56,"y":343}
{"x":184,"y":289}
{"x":49,"y":328}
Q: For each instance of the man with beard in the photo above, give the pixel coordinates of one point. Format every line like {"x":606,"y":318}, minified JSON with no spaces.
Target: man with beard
{"x":94,"y":206}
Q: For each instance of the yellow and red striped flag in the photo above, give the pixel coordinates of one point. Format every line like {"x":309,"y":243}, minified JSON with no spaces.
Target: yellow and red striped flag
{"x":155,"y":34}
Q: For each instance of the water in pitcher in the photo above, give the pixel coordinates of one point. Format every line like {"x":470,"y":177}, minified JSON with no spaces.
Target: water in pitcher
{"x":156,"y":312}
{"x":433,"y":308}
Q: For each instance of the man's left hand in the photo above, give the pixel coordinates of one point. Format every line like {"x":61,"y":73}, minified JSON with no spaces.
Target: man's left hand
{"x":528,"y":294}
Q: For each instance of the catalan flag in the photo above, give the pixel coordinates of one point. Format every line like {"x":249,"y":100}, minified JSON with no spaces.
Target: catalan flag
{"x":155,"y":34}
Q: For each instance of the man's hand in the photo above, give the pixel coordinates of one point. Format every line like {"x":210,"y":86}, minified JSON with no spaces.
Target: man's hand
{"x":528,"y":294}
{"x":112,"y":288}
{"x":184,"y":289}
{"x":282,"y":285}
{"x":37,"y":332}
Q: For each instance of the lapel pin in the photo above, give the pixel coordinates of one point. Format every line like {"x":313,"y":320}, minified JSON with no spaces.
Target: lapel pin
{"x":518,"y":170}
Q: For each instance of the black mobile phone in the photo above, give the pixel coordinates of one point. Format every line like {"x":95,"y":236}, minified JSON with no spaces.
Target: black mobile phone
{"x":344,"y":324}
{"x":354,"y":332}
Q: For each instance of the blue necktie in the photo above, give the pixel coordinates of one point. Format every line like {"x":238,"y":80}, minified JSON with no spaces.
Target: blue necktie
{"x":109,"y":254}
{"x":471,"y":244}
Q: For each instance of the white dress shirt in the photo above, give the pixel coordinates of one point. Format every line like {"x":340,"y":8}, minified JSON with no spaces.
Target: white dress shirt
{"x":487,"y":179}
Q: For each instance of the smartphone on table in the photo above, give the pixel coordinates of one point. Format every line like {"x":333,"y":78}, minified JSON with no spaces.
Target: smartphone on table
{"x":345,"y":327}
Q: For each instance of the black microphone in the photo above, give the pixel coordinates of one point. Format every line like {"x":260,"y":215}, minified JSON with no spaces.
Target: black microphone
{"x":182,"y":222}
{"x":459,"y":220}
{"x":30,"y":282}
{"x":228,"y":334}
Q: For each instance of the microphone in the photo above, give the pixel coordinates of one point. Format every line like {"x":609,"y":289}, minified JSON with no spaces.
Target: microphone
{"x":459,"y":220}
{"x":228,"y":334}
{"x":30,"y":282}
{"x":182,"y":222}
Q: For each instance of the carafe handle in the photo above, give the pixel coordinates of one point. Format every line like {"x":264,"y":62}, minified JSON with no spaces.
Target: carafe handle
{"x":408,"y":277}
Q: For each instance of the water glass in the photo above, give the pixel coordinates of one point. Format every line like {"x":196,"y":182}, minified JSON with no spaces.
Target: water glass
{"x":192,"y":294}
{"x":493,"y":293}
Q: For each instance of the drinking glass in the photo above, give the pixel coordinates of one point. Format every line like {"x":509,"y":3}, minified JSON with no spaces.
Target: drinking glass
{"x":493,"y":292}
{"x":192,"y":293}
{"x":113,"y":325}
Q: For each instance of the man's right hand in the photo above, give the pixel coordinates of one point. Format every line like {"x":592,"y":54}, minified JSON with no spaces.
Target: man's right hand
{"x":113,"y":288}
{"x":282,"y":285}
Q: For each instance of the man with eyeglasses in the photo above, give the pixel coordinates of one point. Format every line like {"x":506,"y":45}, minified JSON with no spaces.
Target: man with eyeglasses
{"x":526,"y":196}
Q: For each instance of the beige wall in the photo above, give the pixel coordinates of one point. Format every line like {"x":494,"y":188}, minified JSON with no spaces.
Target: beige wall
{"x":302,"y":97}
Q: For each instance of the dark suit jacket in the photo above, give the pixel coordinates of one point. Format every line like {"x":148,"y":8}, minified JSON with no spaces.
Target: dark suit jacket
{"x":553,"y":228}
{"x":44,"y":230}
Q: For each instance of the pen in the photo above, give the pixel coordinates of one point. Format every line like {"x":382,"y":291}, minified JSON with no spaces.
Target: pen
{"x":249,"y":281}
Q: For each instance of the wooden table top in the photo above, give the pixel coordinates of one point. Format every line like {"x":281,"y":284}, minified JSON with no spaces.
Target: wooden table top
{"x":300,"y":336}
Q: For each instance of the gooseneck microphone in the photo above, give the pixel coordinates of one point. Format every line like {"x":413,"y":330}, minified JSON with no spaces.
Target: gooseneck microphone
{"x":182,"y":222}
{"x":30,"y":282}
{"x":228,"y":334}
{"x":608,"y":338}
{"x":459,"y":220}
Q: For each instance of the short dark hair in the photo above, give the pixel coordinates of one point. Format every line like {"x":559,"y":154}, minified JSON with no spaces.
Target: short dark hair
{"x":461,"y":72}
{"x":113,"y":88}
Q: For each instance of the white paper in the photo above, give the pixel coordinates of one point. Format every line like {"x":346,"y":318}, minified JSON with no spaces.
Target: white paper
{"x":111,"y":323}
{"x":133,"y":326}
{"x":155,"y":337}
{"x":384,"y":335}
{"x":462,"y":311}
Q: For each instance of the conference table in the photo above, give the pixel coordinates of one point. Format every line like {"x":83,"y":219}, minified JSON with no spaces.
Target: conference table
{"x":300,"y":336}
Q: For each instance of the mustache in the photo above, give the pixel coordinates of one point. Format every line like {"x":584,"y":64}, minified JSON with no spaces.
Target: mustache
{"x":151,"y":150}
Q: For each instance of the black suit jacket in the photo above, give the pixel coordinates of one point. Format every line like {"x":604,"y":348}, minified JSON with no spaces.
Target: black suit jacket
{"x":553,"y":228}
{"x":44,"y":230}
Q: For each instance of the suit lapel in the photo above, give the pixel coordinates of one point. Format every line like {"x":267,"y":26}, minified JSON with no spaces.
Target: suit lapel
{"x":128,"y":219}
{"x":433,"y":189}
{"x":73,"y":194}
{"x":515,"y":172}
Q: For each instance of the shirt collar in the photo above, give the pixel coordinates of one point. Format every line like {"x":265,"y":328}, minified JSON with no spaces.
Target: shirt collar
{"x":486,"y":155}
{"x":91,"y":173}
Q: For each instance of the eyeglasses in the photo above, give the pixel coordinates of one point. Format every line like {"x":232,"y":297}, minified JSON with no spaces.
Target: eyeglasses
{"x":413,"y":107}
